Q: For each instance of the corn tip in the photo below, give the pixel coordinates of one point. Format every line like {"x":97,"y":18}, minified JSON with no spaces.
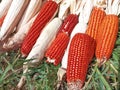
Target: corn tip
{"x":49,"y":60}
{"x":8,"y":45}
{"x":100,"y":62}
{"x":75,"y":85}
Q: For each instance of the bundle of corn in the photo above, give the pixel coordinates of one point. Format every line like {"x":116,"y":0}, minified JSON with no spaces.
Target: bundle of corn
{"x":48,"y":34}
{"x":34,"y":28}
{"x":55,"y":52}
{"x":107,"y":32}
{"x":36,"y":52}
{"x":85,"y":11}
{"x":49,"y":9}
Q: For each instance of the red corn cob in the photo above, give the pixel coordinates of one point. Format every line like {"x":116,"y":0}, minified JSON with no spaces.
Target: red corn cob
{"x":96,"y":18}
{"x":80,"y":54}
{"x":69,"y":23}
{"x":1,"y":20}
{"x":46,"y":13}
{"x":106,"y":38}
{"x":57,"y":47}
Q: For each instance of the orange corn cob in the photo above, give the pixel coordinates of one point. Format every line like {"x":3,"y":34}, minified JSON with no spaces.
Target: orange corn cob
{"x":46,"y":13}
{"x":80,"y":54}
{"x":106,"y":38}
{"x":1,"y":20}
{"x":96,"y":18}
{"x":57,"y":47}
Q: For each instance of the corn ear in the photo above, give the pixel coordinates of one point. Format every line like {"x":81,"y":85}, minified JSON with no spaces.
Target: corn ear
{"x":106,"y":38}
{"x":79,"y":57}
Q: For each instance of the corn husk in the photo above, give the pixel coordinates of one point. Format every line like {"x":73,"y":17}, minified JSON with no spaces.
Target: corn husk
{"x":12,"y":18}
{"x":4,"y":6}
{"x":32,"y":9}
{"x":16,"y":40}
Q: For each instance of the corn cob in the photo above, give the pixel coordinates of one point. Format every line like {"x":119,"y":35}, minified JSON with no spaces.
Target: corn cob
{"x":16,"y":40}
{"x":4,"y":6}
{"x":69,"y":23}
{"x":47,"y":12}
{"x":106,"y":38}
{"x":79,"y":57}
{"x":13,"y":16}
{"x":48,"y":34}
{"x":31,"y":11}
{"x":107,"y":35}
{"x":56,"y":51}
{"x":96,"y":18}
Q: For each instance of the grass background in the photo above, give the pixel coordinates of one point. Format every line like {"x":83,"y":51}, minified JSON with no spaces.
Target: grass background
{"x":44,"y":77}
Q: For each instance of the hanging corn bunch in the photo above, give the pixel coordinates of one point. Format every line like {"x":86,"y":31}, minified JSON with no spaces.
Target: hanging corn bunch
{"x":47,"y":12}
{"x":24,"y":25}
{"x":85,"y":11}
{"x":12,"y":18}
{"x":107,"y":33}
{"x":56,"y":50}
